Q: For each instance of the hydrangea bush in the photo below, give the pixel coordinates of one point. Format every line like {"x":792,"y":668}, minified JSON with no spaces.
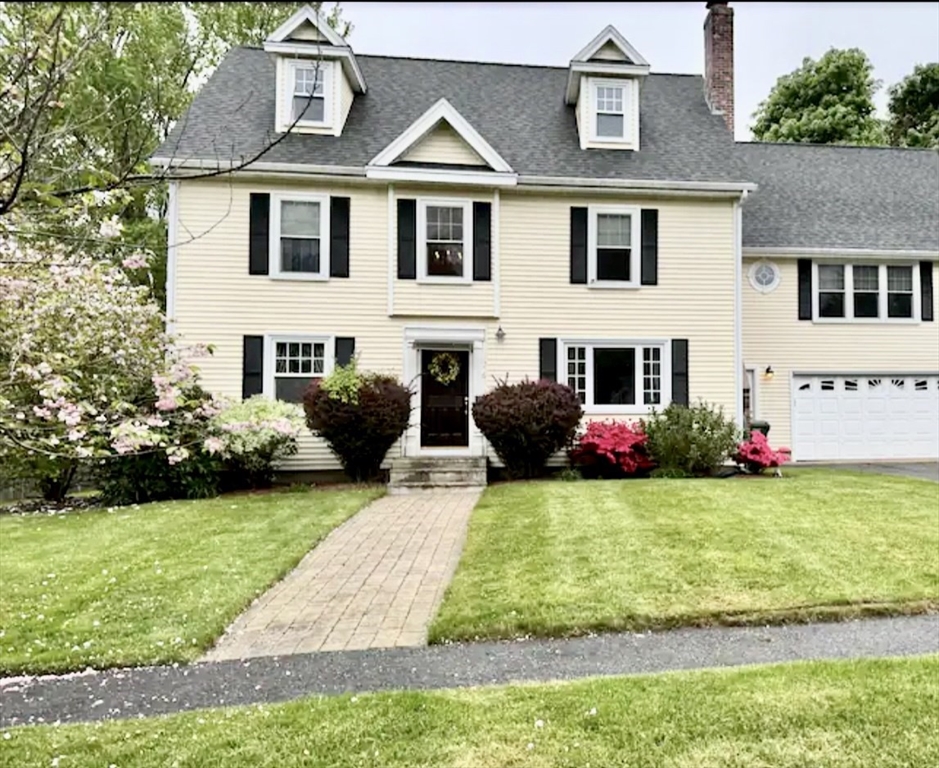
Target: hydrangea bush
{"x":755,"y":454}
{"x":255,"y":434}
{"x":611,"y":449}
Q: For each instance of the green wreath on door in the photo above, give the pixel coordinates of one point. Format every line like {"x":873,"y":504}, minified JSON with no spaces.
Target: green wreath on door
{"x":444,"y":367}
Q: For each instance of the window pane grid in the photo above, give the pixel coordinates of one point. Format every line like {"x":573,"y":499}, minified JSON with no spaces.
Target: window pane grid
{"x":651,"y":375}
{"x":445,"y":240}
{"x":577,"y":371}
{"x":614,"y":230}
{"x":615,"y":376}
{"x":308,"y":81}
{"x":610,"y":99}
{"x":296,"y":358}
{"x":900,"y":279}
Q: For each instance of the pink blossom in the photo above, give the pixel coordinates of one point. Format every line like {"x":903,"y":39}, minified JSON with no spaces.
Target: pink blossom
{"x":156,"y":421}
{"x":135,"y":261}
{"x":74,"y":435}
{"x":167,"y":402}
{"x":214,"y":445}
{"x":42,"y":412}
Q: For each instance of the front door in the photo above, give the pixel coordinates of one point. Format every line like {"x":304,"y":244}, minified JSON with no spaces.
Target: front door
{"x":444,"y":398}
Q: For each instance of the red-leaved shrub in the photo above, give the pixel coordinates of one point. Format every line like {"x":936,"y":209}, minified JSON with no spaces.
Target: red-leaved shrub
{"x":755,"y":455}
{"x":611,"y":449}
{"x":527,"y":423}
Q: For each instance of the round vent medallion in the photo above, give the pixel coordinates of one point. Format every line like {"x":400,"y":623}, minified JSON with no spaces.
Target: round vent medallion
{"x":764,"y":276}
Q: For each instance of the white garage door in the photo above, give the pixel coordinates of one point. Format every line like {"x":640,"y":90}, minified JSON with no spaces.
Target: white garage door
{"x":865,"y":417}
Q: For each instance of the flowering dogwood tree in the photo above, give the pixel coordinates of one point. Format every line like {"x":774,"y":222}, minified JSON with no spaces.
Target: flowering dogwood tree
{"x":86,"y":369}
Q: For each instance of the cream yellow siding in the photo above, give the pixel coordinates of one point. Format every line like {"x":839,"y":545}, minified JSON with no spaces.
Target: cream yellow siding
{"x":609,"y":51}
{"x":530,"y":295}
{"x":774,"y":336}
{"x":443,"y":145}
{"x":218,"y":302}
{"x":307,"y":32}
{"x":415,"y":298}
{"x":346,"y":97}
{"x":693,"y":299}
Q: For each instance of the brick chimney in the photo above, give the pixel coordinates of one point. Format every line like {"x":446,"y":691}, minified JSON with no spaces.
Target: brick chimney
{"x":719,"y":60}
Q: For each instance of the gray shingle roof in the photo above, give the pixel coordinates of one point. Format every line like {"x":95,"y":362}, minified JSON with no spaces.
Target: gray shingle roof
{"x":813,"y":196}
{"x":519,"y":110}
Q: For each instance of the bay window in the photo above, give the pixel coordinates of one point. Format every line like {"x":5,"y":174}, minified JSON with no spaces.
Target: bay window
{"x":616,"y":377}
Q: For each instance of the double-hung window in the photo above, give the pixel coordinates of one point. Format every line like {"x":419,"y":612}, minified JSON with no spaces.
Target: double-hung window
{"x":300,"y":236}
{"x":613,"y":377}
{"x":613,"y":238}
{"x":445,"y":232}
{"x":865,"y":292}
{"x":308,"y":100}
{"x":612,"y":107}
{"x":297,"y":361}
{"x":611,"y":111}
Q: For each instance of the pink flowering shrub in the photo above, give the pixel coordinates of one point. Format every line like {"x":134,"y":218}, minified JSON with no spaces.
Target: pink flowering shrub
{"x":256,"y":434}
{"x":611,"y":449}
{"x":87,"y":372}
{"x":755,"y":454}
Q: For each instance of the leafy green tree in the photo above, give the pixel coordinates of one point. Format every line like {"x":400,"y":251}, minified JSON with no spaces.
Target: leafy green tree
{"x":914,"y":109}
{"x":87,"y":93}
{"x":829,"y":101}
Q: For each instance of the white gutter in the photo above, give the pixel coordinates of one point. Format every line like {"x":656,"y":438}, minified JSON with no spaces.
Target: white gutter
{"x":860,"y":253}
{"x":738,"y":305}
{"x":172,"y":236}
{"x":259,"y":166}
{"x":735,"y":187}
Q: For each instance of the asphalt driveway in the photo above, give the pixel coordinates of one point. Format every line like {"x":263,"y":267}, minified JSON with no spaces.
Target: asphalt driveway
{"x":925,"y":470}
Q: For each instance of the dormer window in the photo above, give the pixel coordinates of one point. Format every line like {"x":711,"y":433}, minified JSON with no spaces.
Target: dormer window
{"x":603,"y":87}
{"x":309,"y":95}
{"x":612,"y":114}
{"x":309,"y":91}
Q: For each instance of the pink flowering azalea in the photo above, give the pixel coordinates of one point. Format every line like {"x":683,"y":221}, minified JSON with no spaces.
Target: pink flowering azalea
{"x":755,"y":454}
{"x":612,"y":447}
{"x":213,"y":445}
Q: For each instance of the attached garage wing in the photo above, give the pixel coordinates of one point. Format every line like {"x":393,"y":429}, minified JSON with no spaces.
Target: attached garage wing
{"x":865,"y":417}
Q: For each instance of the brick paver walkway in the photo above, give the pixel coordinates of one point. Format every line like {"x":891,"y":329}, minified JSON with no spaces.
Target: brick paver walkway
{"x":374,"y":582}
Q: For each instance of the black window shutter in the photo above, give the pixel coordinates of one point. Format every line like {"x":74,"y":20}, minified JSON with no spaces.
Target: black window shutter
{"x":805,"y":289}
{"x":345,"y":349}
{"x":482,"y":241}
{"x":925,"y":287}
{"x":680,"y":371}
{"x":252,"y":366}
{"x":548,"y":359}
{"x":259,"y":232}
{"x":407,"y":239}
{"x":650,"y":247}
{"x":578,"y":245}
{"x":339,"y":237}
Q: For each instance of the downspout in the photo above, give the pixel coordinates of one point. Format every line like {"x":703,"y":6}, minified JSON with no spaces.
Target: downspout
{"x":738,"y":304}
{"x":172,"y":236}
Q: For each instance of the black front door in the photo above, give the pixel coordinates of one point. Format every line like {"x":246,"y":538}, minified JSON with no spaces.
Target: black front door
{"x":444,"y":405}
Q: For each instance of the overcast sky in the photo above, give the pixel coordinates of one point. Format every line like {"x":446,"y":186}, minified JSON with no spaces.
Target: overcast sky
{"x":771,"y":39}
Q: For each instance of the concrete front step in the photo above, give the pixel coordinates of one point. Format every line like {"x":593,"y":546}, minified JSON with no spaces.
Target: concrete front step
{"x":438,"y":472}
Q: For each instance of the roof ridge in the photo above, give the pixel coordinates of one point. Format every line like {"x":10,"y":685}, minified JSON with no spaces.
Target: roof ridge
{"x":556,"y":67}
{"x":832,"y":146}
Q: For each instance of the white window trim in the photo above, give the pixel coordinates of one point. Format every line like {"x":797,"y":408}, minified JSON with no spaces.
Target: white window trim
{"x":274,"y":249}
{"x":290,"y":66}
{"x":271,"y":340}
{"x":639,"y":408}
{"x":882,"y":293}
{"x":635,"y":246}
{"x":448,"y":202}
{"x":630,"y":138}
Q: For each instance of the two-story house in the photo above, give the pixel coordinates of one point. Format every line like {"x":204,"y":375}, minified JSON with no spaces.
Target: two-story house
{"x":595,"y":224}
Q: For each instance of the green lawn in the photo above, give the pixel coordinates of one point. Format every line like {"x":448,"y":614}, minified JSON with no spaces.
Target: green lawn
{"x":150,"y":583}
{"x":882,"y":713}
{"x":555,"y":558}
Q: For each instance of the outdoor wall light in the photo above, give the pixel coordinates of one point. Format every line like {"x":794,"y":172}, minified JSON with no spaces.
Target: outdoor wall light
{"x":768,"y":373}
{"x":500,"y":334}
